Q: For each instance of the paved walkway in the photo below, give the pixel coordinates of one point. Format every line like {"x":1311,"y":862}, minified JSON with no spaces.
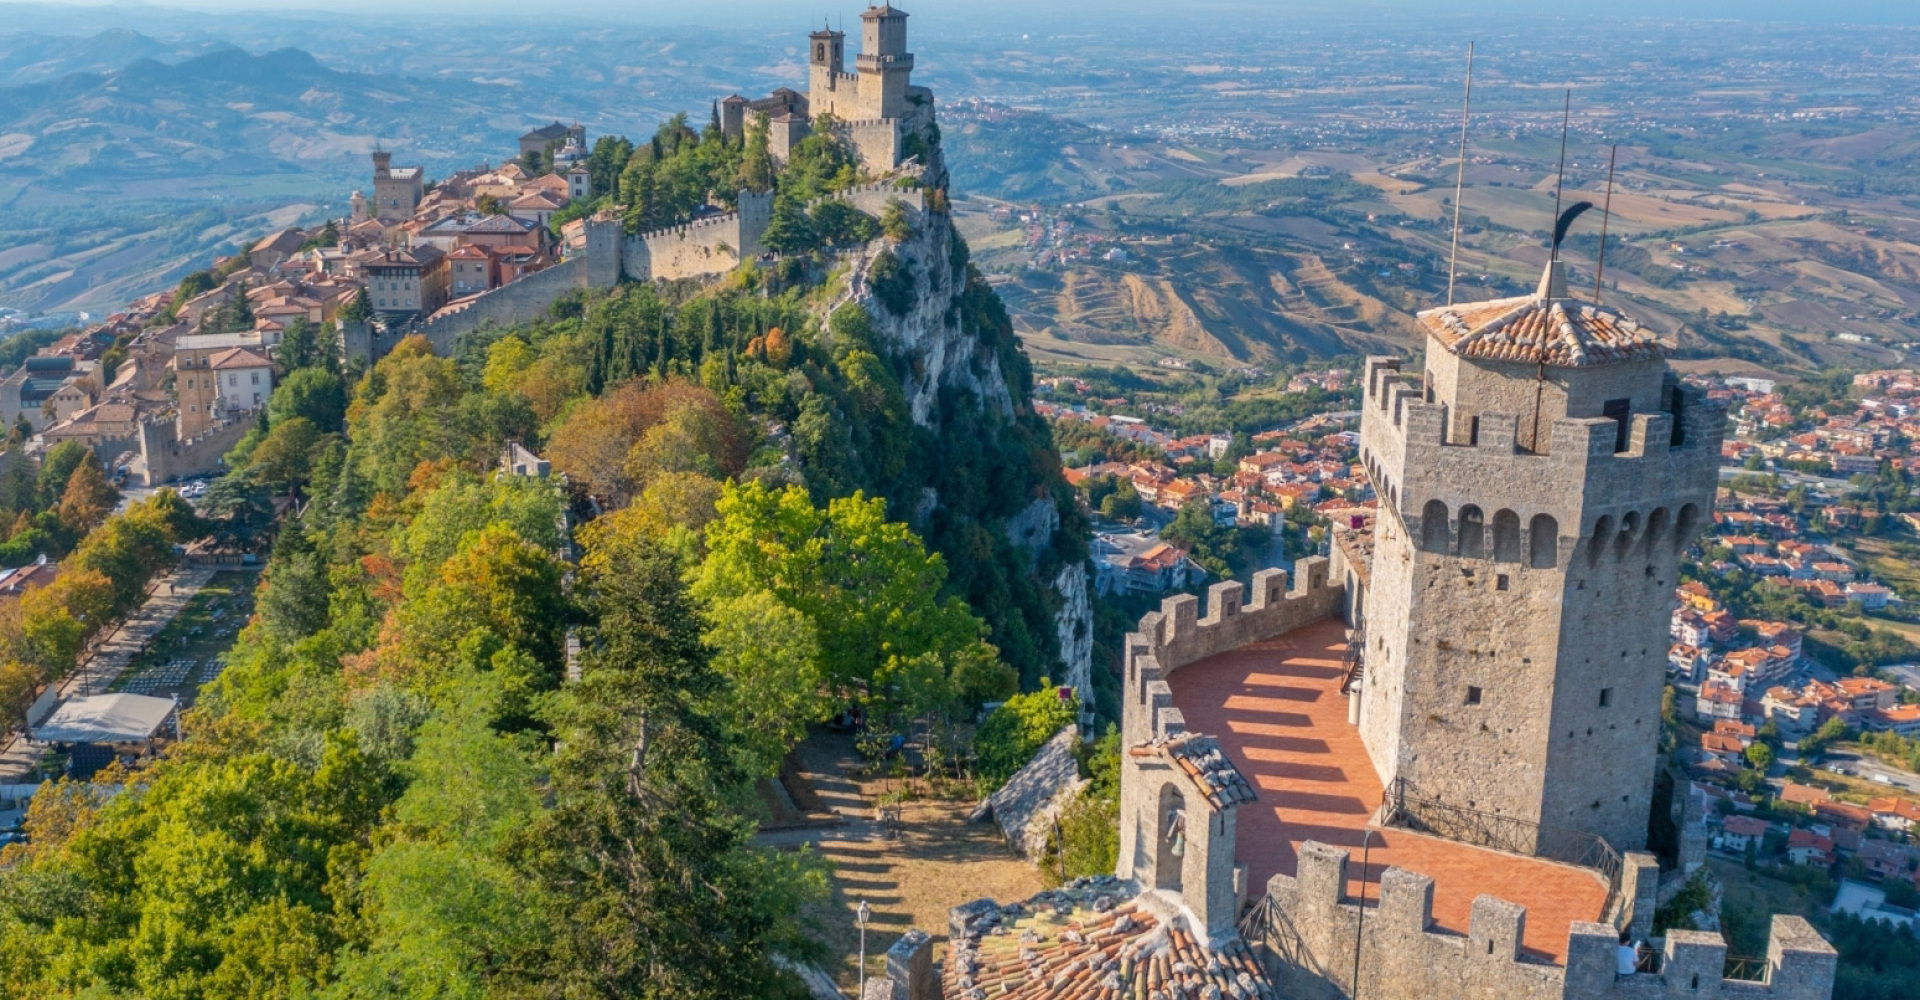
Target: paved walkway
{"x":21,"y":758}
{"x":1276,"y":707}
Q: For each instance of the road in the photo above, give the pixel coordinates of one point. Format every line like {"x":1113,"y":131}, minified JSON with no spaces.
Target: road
{"x":1837,"y":487}
{"x":1873,"y":771}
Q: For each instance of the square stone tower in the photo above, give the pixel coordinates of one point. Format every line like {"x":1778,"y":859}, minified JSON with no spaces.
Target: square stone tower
{"x":884,"y":62}
{"x":1537,"y":486}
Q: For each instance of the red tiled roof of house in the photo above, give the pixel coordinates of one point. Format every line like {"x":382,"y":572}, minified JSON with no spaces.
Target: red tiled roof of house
{"x":1807,"y":794}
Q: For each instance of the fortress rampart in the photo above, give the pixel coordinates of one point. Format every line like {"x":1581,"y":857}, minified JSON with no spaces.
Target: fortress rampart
{"x":523,"y":300}
{"x":1177,"y":635}
{"x":1306,"y":929}
{"x":168,"y":458}
{"x":702,"y":248}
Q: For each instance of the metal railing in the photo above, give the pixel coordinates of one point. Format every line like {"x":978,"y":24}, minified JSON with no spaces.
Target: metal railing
{"x":1355,"y":660}
{"x":1406,"y":808}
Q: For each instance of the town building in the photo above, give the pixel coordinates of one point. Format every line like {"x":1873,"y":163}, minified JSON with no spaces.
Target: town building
{"x":396,"y":190}
{"x":242,"y":380}
{"x":411,"y":281}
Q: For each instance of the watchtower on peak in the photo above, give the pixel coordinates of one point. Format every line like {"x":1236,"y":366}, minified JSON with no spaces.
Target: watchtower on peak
{"x":1537,"y":484}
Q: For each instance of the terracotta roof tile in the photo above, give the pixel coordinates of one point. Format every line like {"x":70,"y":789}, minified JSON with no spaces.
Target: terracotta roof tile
{"x":1535,"y":330}
{"x":1088,"y":941}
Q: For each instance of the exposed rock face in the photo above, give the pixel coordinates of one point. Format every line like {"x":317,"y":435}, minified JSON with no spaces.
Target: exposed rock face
{"x":945,"y":358}
{"x":930,"y":331}
{"x":1074,"y":626}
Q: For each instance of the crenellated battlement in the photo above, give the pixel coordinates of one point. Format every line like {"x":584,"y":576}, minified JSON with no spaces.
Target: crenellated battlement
{"x":1419,"y":455}
{"x":1177,"y":635}
{"x":1306,"y":928}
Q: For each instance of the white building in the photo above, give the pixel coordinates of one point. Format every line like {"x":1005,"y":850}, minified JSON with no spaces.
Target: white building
{"x":242,"y":380}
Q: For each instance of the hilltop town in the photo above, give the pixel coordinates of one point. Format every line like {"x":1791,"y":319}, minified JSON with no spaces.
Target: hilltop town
{"x":656,"y":565}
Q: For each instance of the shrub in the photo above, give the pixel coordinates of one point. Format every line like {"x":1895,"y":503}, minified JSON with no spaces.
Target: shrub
{"x":892,"y":279}
{"x":1017,"y":729}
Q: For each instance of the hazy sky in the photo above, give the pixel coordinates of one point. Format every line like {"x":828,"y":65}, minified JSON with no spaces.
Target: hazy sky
{"x":727,"y":11}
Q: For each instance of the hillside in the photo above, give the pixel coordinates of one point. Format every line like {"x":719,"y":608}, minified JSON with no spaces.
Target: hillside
{"x":116,"y":182}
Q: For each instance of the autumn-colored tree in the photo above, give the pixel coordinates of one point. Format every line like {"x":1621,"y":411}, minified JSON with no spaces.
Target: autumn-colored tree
{"x":596,"y":444}
{"x":87,"y":499}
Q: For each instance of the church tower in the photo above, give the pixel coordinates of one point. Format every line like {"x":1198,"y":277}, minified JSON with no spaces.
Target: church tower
{"x":1537,"y":485}
{"x":884,"y":62}
{"x":826,"y":71}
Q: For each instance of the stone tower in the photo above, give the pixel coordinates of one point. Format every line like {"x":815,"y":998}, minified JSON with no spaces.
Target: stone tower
{"x":826,"y":68}
{"x":1537,"y":486}
{"x":884,"y":62}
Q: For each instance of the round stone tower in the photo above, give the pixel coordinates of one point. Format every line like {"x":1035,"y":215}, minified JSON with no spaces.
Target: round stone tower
{"x":1537,"y":484}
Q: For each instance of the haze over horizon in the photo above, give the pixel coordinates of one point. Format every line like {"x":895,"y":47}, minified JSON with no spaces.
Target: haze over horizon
{"x":1899,"y":12}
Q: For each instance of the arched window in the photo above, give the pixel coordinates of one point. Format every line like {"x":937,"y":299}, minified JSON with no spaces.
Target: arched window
{"x":1170,"y":838}
{"x":1602,"y":533}
{"x":1656,"y":526}
{"x":1433,"y":527}
{"x":1473,"y":533}
{"x":1629,"y":528}
{"x":1506,"y":536}
{"x":1684,"y":528}
{"x":1543,"y":542}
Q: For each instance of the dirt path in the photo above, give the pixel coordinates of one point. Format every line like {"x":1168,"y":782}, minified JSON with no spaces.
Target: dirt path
{"x":935,"y":861}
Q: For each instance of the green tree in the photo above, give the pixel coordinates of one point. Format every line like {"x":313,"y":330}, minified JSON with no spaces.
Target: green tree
{"x":789,"y":231}
{"x":868,"y":586}
{"x":285,"y":457}
{"x":1016,"y":730}
{"x":1760,"y":756}
{"x":649,"y":882}
{"x":895,"y":222}
{"x":313,"y":394}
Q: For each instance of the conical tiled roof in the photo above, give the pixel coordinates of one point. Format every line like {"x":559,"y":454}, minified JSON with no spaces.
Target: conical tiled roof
{"x":1547,"y":327}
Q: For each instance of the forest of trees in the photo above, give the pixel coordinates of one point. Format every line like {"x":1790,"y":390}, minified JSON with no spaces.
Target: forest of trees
{"x":392,"y":789}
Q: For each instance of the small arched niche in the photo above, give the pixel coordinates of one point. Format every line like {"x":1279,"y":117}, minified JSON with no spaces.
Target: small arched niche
{"x":1506,"y":536}
{"x":1473,"y":533}
{"x":1602,"y":534}
{"x":1543,"y":542}
{"x":1433,"y":527}
{"x":1170,"y":838}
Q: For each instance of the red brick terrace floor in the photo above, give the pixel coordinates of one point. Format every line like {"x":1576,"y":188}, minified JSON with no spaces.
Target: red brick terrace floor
{"x":1277,"y":708}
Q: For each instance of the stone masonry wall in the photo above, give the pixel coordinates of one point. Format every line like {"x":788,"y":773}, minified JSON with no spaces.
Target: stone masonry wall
{"x":1515,"y":657}
{"x":1176,"y":636}
{"x":517,"y":302}
{"x":169,"y":459}
{"x":1305,"y":932}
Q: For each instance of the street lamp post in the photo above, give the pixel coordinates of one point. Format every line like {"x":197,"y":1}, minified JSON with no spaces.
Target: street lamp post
{"x":860,"y":917}
{"x":1366,"y":855}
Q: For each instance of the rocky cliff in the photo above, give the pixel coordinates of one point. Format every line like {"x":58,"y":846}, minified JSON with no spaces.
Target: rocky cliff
{"x":992,"y":476}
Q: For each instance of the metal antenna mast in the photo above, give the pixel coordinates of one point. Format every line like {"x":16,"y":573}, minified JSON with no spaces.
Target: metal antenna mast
{"x":1566,"y":119}
{"x":1460,"y":179}
{"x":1606,"y":216}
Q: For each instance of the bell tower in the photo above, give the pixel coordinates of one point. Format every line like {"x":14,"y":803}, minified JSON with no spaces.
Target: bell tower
{"x":826,"y":68}
{"x":1537,"y":482}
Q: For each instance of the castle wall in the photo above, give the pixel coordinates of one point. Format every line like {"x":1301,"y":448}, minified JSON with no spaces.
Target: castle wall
{"x":1563,"y":637}
{"x":706,"y":248}
{"x":1176,"y":636}
{"x":523,"y":300}
{"x":1305,"y":932}
{"x":169,"y":458}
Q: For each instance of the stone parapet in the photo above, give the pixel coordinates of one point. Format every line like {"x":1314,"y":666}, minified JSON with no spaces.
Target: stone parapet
{"x":1308,"y":931}
{"x":1177,"y":635}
